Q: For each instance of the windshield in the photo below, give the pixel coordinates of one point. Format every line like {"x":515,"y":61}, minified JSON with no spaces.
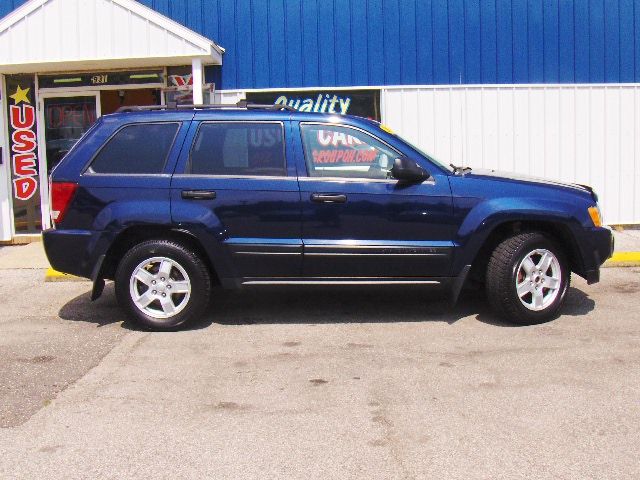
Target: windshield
{"x":419,"y":150}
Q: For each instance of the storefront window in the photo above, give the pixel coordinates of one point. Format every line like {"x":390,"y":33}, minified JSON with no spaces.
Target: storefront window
{"x":179,"y":88}
{"x":66,"y":120}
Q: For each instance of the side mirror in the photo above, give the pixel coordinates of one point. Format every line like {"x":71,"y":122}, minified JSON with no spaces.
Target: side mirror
{"x":406,"y":170}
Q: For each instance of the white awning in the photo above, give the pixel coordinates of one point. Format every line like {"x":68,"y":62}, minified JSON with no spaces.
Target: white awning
{"x":65,"y":35}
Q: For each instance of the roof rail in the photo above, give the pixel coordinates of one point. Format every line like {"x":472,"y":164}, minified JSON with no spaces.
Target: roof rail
{"x":276,"y":106}
{"x":173,"y":106}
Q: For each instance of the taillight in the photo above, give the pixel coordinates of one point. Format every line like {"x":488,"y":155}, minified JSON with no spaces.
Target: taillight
{"x":61,"y":195}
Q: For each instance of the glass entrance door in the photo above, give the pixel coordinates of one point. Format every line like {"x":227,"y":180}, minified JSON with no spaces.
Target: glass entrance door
{"x":65,"y":117}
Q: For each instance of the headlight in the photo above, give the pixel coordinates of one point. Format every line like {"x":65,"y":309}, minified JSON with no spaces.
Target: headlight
{"x":596,"y":216}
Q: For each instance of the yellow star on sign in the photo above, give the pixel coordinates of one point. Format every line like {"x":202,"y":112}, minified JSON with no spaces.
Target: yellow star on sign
{"x":21,"y":95}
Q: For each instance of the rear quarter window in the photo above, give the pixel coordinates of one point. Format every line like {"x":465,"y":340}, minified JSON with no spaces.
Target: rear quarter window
{"x":140,"y":148}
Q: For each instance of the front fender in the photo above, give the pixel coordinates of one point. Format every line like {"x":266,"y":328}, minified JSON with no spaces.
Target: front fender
{"x":482,"y":219}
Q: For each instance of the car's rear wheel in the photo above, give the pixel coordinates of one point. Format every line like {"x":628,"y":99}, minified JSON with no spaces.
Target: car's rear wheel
{"x":162,"y":285}
{"x":527,"y":279}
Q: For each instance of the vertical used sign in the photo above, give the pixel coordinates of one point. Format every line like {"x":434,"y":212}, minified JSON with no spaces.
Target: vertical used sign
{"x":22,"y":148}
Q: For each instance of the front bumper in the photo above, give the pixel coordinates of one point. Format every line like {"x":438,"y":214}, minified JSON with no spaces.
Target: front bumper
{"x":599,"y":247}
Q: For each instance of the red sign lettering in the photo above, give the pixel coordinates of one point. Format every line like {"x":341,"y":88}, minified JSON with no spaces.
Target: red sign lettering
{"x":25,"y":187}
{"x":23,"y":118}
{"x":24,"y":165}
{"x":23,"y":141}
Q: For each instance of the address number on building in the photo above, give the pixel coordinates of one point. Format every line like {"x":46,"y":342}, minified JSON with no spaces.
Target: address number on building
{"x":99,"y":79}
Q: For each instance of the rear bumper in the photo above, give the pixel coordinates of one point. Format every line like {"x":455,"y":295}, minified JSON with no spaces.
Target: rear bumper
{"x":68,"y":251}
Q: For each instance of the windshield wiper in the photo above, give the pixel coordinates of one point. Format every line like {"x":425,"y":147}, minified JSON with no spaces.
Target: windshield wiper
{"x":459,"y":170}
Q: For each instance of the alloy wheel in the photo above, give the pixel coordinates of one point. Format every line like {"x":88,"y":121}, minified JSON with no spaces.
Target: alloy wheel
{"x":160,"y":287}
{"x":538,"y":279}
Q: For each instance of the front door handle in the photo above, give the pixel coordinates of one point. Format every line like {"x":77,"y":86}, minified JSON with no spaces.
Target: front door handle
{"x":199,"y":194}
{"x":328,"y":198}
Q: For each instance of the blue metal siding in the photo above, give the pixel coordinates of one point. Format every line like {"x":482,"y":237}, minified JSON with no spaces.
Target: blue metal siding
{"x":7,"y":5}
{"x":304,"y":43}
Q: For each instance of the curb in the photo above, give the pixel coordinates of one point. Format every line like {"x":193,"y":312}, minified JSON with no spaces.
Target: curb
{"x":52,"y":275}
{"x":624,"y":259}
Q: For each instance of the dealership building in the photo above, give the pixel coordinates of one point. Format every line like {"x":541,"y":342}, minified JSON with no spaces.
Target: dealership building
{"x":549,"y":88}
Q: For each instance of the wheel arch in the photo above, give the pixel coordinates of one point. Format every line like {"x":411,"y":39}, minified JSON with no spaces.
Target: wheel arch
{"x":557,"y":231}
{"x":136,"y":234}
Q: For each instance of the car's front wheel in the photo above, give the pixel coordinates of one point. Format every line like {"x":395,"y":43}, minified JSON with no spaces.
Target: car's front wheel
{"x":527,"y":279}
{"x":162,"y":285}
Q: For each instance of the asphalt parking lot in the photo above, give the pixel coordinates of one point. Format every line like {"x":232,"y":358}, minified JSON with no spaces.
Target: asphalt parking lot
{"x":318,"y":383}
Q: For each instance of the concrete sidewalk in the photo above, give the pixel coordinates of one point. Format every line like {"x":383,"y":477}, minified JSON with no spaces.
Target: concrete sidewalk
{"x":627,"y":249}
{"x":32,"y":256}
{"x":627,"y":240}
{"x":27,"y":256}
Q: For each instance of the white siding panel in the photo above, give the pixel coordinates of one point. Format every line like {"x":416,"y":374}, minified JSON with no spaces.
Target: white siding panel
{"x":409,"y":107}
{"x":473,"y":128}
{"x":103,"y":41}
{"x":612,"y":150}
{"x":223,"y":97}
{"x":490,"y":129}
{"x":442,"y":133}
{"x":582,"y":160}
{"x":456,"y":123}
{"x":577,"y":133}
{"x":627,"y":144}
{"x":536,"y":132}
{"x":521,"y":131}
{"x":552,"y":123}
{"x":68,"y":27}
{"x":120,"y":26}
{"x":566,"y":135}
{"x":86,"y":26}
{"x":426,"y":120}
{"x":19,"y":34}
{"x":138,"y":36}
{"x":504,"y":116}
{"x":597,"y":143}
{"x":5,"y":173}
{"x":635,"y":207}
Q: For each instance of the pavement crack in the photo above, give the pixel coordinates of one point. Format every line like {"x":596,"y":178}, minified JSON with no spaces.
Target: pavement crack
{"x":389,"y":438}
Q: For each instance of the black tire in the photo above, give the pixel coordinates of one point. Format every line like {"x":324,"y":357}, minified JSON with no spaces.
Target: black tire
{"x":192,"y":305}
{"x":502,"y":277}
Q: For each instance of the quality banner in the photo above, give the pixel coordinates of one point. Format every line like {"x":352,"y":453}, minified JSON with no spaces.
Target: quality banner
{"x":364,"y":103}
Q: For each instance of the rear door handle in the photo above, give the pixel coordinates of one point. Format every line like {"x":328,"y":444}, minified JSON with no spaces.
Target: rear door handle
{"x":199,"y":194}
{"x":328,"y":198}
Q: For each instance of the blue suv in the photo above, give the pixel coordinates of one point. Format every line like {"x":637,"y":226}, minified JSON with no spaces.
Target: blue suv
{"x":170,"y":201}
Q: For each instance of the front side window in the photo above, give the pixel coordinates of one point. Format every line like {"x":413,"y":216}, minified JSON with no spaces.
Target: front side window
{"x":337,"y":151}
{"x":136,"y":149}
{"x":243,"y":149}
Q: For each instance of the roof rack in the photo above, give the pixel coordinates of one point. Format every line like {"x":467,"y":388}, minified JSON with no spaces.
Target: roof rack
{"x":273,"y":106}
{"x":242,"y":104}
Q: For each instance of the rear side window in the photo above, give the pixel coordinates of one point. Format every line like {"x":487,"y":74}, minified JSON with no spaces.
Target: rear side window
{"x":140,"y":148}
{"x":238,"y":149}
